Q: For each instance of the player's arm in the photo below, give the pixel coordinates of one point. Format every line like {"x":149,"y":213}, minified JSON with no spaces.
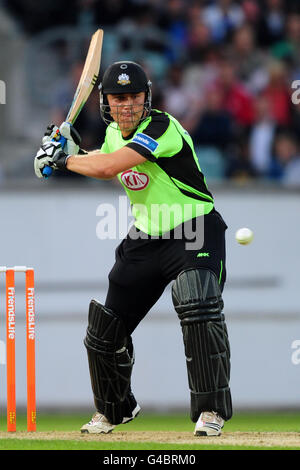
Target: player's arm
{"x":96,"y":164}
{"x":104,"y":165}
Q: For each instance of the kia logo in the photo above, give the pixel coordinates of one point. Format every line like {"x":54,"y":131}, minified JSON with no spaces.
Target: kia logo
{"x":135,"y":180}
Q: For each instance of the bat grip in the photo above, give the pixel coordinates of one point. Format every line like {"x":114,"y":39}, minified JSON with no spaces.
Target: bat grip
{"x":47,"y":170}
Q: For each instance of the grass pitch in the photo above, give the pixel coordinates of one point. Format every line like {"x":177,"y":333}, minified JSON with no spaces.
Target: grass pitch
{"x":156,"y":432}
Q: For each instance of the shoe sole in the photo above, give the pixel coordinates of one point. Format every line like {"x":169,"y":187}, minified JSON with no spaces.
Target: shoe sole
{"x":85,"y":431}
{"x":204,"y":433}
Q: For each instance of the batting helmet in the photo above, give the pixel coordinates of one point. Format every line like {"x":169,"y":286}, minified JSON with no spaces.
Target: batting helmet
{"x":124,"y":77}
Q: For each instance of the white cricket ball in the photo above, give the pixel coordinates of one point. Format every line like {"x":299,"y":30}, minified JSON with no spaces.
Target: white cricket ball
{"x":244,"y":236}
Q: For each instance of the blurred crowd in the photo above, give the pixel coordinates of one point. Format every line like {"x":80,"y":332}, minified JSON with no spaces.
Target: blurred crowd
{"x":224,"y":68}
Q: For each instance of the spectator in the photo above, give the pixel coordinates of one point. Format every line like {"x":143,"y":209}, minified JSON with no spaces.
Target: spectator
{"x":252,"y":11}
{"x":139,"y":36}
{"x":173,"y":21}
{"x":289,"y":47}
{"x":261,"y":137}
{"x":285,"y":165}
{"x":278,"y":94}
{"x":222,"y":18}
{"x":271,"y":25}
{"x":177,"y":100}
{"x":63,"y":93}
{"x":236,"y":99}
{"x":199,"y":41}
{"x":87,"y":18}
{"x":249,"y":60}
{"x":240,"y":167}
{"x":194,"y":11}
{"x":215,"y":126}
{"x":198,"y":76}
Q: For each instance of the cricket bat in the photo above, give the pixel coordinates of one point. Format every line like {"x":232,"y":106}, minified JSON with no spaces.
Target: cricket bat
{"x":86,"y":84}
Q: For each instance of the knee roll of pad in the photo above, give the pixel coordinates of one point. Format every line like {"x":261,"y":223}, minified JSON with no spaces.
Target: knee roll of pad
{"x":196,"y":292}
{"x":110,"y":356}
{"x":198,"y":302}
{"x":106,"y":331}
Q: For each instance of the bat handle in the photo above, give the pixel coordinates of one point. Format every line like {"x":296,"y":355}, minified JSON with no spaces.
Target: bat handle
{"x":47,"y":170}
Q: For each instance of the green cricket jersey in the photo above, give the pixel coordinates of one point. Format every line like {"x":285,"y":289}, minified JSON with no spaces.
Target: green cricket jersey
{"x":169,"y":188}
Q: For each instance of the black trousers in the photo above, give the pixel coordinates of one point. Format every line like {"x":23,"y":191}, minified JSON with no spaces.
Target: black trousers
{"x":145,"y":266}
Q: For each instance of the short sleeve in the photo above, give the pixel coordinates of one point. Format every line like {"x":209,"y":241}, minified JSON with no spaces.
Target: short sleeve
{"x":160,"y":138}
{"x":104,"y":147}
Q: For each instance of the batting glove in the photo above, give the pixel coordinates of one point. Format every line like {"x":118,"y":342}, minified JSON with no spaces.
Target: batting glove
{"x":71,"y":146}
{"x":50,"y":154}
{"x":52,"y":132}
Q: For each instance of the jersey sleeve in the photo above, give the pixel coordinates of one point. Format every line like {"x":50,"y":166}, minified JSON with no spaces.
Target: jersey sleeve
{"x":104,"y":147}
{"x":159,"y":138}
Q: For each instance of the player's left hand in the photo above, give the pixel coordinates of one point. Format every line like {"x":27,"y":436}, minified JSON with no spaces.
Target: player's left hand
{"x":66,"y":130}
{"x":50,"y":154}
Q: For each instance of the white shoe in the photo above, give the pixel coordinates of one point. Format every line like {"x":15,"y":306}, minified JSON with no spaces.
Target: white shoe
{"x":100,"y":425}
{"x":209,"y":424}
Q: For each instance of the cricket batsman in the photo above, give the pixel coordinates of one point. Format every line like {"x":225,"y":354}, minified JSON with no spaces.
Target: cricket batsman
{"x":178,"y":236}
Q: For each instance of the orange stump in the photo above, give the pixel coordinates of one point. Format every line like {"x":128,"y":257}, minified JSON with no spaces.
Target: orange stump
{"x":10,"y":350}
{"x":10,"y":346}
{"x":30,"y":345}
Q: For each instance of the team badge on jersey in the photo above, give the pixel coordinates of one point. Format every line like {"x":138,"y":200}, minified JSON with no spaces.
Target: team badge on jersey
{"x":135,"y":180}
{"x":145,"y":141}
{"x":123,"y":79}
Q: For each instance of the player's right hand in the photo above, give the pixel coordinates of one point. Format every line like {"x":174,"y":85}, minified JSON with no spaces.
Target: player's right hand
{"x":71,"y":146}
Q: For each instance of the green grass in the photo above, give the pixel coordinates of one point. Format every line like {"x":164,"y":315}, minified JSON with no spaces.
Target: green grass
{"x":11,"y":444}
{"x":242,"y":422}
